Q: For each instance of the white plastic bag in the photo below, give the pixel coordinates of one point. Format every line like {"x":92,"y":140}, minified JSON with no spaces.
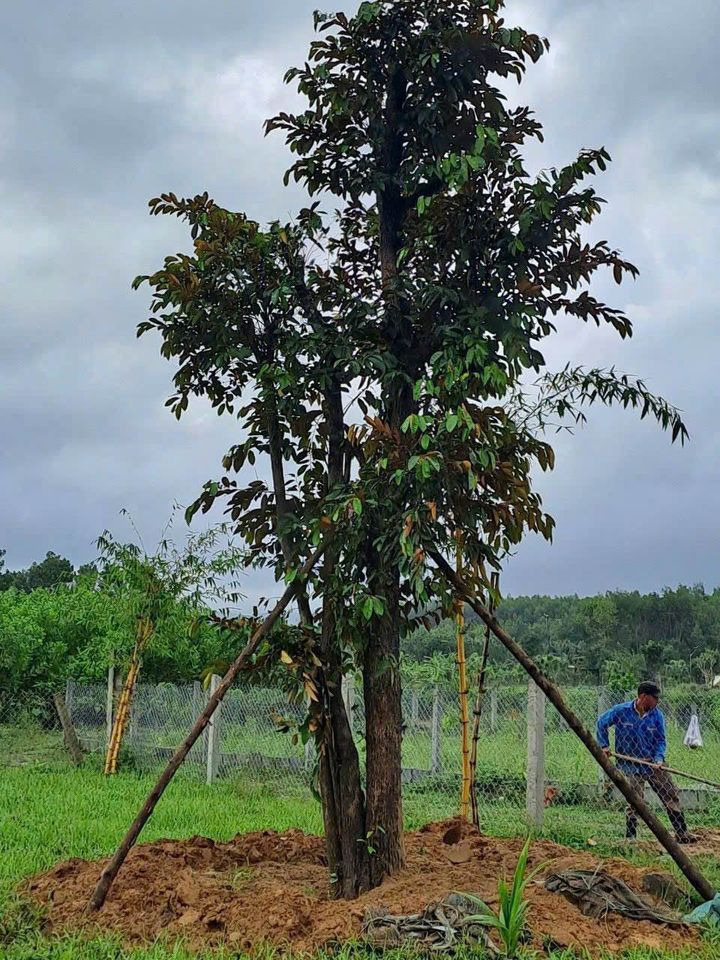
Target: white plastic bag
{"x":693,"y":737}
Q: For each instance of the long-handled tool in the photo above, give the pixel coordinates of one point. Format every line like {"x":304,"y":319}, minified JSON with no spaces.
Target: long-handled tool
{"x":661,"y":766}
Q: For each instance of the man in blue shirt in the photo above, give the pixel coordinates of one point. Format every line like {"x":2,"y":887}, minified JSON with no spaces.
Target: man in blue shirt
{"x":640,"y":735}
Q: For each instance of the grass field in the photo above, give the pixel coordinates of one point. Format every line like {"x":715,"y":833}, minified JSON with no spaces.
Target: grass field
{"x":52,"y":814}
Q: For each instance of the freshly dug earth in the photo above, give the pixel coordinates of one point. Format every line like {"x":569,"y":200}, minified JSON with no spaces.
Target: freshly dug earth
{"x":273,"y":888}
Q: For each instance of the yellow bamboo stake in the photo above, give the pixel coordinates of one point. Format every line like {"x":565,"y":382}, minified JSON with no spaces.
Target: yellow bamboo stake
{"x":121,"y":718}
{"x":462,"y":679}
{"x":144,"y":632}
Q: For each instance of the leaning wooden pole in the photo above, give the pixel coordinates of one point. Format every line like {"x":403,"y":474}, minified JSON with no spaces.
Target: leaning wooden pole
{"x":685,"y":864}
{"x":111,"y":870}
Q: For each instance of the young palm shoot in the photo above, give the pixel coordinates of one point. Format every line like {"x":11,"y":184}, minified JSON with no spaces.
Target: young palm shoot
{"x":510,"y":922}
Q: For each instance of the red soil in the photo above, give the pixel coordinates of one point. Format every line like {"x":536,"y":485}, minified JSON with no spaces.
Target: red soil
{"x":273,"y":888}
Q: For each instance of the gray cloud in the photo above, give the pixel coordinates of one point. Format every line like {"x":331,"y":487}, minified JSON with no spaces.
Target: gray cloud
{"x":103,"y":105}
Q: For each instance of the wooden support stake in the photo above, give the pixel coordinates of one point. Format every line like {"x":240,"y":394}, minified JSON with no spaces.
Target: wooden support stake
{"x":477,"y":713}
{"x":463,"y":684}
{"x":69,"y":735}
{"x":686,"y":865}
{"x":128,"y":842}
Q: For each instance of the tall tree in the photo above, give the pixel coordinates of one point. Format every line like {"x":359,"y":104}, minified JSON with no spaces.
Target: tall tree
{"x":248,"y":319}
{"x":462,"y":261}
{"x":425,"y":303}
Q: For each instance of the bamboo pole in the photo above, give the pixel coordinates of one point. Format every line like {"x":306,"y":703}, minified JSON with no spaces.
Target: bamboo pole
{"x":683,"y":861}
{"x":111,"y":870}
{"x":121,"y":716}
{"x":144,"y":632}
{"x":463,"y":684}
{"x":477,"y":711}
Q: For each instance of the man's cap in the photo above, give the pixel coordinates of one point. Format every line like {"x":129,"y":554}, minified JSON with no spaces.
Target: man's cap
{"x":650,"y":688}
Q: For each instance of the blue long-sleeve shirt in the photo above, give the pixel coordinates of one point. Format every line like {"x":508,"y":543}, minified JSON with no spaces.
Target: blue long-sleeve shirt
{"x":635,"y":735}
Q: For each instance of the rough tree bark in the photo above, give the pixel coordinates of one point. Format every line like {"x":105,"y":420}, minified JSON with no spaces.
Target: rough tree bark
{"x":340,"y":780}
{"x":381,"y":676}
{"x":383,"y":735}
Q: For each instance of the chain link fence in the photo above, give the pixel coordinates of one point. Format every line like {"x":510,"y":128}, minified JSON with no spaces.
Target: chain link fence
{"x":530,"y":766}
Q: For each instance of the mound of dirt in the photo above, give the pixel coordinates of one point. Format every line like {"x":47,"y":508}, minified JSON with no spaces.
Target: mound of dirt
{"x":273,"y":888}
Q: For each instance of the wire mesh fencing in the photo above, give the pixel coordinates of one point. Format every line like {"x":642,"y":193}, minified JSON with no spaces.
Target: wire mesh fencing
{"x":30,"y":732}
{"x":530,"y":767}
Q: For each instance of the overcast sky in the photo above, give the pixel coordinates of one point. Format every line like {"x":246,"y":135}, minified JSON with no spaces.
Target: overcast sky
{"x":106,"y":103}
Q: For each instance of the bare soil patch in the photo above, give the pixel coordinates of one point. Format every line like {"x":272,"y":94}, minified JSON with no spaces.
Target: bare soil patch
{"x":270,"y":887}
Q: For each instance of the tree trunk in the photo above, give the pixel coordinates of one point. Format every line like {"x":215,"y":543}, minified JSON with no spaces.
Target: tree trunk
{"x":343,"y":801}
{"x":383,"y":738}
{"x":340,"y":780}
{"x":381,"y":674}
{"x":282,"y":510}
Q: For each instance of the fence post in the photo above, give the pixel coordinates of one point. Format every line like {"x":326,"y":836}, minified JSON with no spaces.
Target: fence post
{"x":435,"y":762}
{"x":213,"y":735}
{"x":348,"y":695}
{"x":493,"y":711}
{"x":535,"y":795}
{"x":109,"y":704}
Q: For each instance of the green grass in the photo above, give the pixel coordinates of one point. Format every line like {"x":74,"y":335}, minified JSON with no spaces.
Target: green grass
{"x":52,"y":813}
{"x":50,"y":816}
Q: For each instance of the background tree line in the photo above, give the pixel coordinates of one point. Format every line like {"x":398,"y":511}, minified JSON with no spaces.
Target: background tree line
{"x":55,"y":623}
{"x":611,"y":639}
